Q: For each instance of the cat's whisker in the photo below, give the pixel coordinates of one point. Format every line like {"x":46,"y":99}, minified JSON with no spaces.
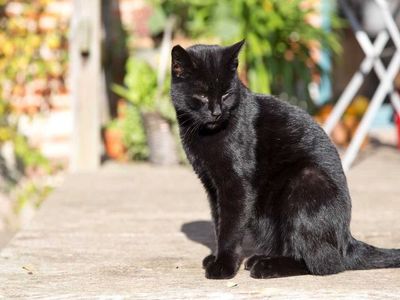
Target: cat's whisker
{"x":185,"y":122}
{"x":194,"y":130}
{"x":188,"y":131}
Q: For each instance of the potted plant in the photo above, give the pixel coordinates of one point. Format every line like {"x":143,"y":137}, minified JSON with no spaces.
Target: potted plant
{"x":154,"y":108}
{"x":113,"y":140}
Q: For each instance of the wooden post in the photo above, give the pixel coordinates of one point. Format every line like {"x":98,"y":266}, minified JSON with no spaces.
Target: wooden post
{"x":85,"y":83}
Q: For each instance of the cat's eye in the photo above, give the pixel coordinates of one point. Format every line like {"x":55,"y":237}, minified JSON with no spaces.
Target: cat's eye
{"x":201,"y":97}
{"x":225,"y":96}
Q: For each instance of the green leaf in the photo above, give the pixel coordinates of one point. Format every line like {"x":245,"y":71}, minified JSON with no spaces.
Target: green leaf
{"x":157,"y":21}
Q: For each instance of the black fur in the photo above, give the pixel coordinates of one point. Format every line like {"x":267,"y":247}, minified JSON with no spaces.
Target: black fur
{"x":269,"y":170}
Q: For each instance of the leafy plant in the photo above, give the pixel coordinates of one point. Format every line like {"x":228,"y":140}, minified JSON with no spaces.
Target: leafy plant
{"x":30,"y":51}
{"x":134,"y":137}
{"x":19,"y":179}
{"x":133,"y":134}
{"x":140,"y":85}
{"x":141,"y":91}
{"x":279,"y":35}
{"x":31,"y":191}
{"x":33,"y":62}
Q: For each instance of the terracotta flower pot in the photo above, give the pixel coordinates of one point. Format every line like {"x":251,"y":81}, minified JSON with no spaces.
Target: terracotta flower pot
{"x":113,"y":143}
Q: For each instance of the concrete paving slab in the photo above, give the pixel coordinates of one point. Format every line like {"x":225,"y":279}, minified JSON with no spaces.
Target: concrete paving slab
{"x":140,"y":232}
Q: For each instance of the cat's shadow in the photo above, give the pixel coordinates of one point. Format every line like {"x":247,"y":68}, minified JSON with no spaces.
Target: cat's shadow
{"x":202,"y":232}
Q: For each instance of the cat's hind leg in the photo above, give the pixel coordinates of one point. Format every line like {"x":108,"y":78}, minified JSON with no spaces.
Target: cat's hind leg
{"x":261,"y":266}
{"x":315,"y":220}
{"x":252,"y":260}
{"x":323,"y":260}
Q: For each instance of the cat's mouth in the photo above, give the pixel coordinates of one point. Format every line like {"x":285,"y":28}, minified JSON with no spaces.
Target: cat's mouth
{"x":216,"y":124}
{"x":212,"y":125}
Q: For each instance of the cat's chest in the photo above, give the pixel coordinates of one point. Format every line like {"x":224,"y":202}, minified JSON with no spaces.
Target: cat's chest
{"x":211,"y":151}
{"x":222,"y":153}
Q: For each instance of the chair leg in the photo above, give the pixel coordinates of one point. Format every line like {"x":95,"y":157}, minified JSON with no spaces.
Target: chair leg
{"x":375,"y":104}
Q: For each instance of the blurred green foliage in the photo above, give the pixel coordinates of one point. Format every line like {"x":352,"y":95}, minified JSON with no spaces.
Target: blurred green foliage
{"x":133,"y":134}
{"x":30,"y":192}
{"x":30,"y":49}
{"x":26,"y":156}
{"x":33,"y":46}
{"x":140,"y":89}
{"x":277,"y":56}
{"x":141,"y":92}
{"x":18,"y":178}
{"x":140,"y":85}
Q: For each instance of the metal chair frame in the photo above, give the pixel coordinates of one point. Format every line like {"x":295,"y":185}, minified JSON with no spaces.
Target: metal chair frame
{"x":371,"y":61}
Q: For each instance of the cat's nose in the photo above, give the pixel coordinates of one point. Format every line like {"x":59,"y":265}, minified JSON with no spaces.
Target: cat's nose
{"x":216,"y":112}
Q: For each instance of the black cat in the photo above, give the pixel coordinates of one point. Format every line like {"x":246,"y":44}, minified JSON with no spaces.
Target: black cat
{"x":269,"y":170}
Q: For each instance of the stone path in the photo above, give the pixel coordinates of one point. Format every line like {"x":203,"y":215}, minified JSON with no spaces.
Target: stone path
{"x":140,"y":232}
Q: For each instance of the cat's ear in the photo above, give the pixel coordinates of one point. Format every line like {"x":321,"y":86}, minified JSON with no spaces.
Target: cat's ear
{"x":232,"y":53}
{"x":181,"y":64}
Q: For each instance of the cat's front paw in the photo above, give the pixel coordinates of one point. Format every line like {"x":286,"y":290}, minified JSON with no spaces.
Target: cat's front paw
{"x":222,"y":268}
{"x":208,"y":260}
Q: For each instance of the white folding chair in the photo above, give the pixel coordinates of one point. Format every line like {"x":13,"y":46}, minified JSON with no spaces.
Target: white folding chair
{"x":371,"y":61}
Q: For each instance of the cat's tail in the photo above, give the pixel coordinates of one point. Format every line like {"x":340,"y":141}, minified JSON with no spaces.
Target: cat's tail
{"x":361,"y":256}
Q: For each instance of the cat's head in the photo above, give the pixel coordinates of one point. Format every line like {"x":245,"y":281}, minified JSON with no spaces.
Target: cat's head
{"x":205,"y":86}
